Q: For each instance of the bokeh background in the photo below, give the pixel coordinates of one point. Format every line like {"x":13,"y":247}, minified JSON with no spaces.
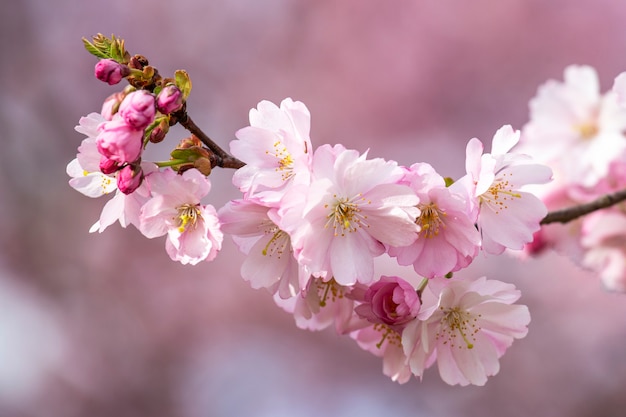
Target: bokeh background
{"x":106,"y":325}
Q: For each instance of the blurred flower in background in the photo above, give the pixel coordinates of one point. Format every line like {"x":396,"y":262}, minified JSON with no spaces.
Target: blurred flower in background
{"x":106,"y":325}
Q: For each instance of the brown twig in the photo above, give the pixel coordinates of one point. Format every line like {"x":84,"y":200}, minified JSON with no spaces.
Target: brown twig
{"x":223,"y":158}
{"x":572,"y":213}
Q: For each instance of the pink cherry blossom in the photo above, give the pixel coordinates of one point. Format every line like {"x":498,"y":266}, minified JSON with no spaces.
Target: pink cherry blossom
{"x":193,"y":230}
{"x":448,"y":240}
{"x":604,"y":241}
{"x":276,"y":149}
{"x":385,"y":342}
{"x":126,"y":208}
{"x":465,"y":327}
{"x":572,"y":125}
{"x":270,"y":262}
{"x":507,"y":216}
{"x":84,"y":170}
{"x":323,"y":304}
{"x":352,"y":208}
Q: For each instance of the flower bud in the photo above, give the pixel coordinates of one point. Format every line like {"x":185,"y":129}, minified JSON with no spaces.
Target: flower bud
{"x":108,"y":166}
{"x":170,"y":99}
{"x":110,"y":71}
{"x":111,"y":105}
{"x":119,"y":142}
{"x":137,"y":109}
{"x":129,"y":178}
{"x":391,"y":301}
{"x":158,"y":133}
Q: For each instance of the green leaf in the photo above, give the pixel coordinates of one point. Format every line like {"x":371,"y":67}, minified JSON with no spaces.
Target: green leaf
{"x":183,"y":82}
{"x":93,"y":50}
{"x":184,"y":154}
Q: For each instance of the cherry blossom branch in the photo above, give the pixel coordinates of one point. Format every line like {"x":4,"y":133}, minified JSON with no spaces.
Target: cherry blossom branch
{"x":222,"y":158}
{"x":571,"y":213}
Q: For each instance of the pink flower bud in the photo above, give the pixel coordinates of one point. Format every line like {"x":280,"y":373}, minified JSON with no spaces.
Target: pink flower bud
{"x":108,"y":166}
{"x":170,"y":99}
{"x":391,"y":301}
{"x":119,"y":141}
{"x":111,"y":105}
{"x":137,"y":109}
{"x":129,"y":178}
{"x":110,"y":71}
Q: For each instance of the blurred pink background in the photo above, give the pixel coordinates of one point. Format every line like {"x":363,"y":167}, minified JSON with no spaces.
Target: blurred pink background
{"x":106,"y":325}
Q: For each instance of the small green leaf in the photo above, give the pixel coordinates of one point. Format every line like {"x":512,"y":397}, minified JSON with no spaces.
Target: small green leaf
{"x":183,"y":82}
{"x":449,"y":181}
{"x":93,"y":50}
{"x":184,"y":154}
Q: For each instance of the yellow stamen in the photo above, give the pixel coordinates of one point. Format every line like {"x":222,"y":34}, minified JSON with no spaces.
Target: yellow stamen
{"x":188,"y":215}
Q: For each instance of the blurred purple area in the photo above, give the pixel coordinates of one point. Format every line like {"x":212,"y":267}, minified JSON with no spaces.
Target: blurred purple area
{"x":106,"y":325}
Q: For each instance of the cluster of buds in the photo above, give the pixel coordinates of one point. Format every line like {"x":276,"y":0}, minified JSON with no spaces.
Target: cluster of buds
{"x":139,"y":114}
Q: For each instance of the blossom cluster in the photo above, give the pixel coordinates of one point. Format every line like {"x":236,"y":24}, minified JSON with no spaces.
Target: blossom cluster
{"x":579,"y":132}
{"x":311,"y":221}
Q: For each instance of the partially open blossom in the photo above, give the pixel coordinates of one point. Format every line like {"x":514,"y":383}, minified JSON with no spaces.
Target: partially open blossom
{"x":391,"y":301}
{"x":129,"y":178}
{"x":169,"y":99}
{"x":466,"y":326}
{"x":110,"y":71}
{"x":138,"y":109}
{"x":119,"y":141}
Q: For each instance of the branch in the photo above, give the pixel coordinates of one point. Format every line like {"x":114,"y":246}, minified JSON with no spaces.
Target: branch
{"x":223,"y":158}
{"x":572,"y":213}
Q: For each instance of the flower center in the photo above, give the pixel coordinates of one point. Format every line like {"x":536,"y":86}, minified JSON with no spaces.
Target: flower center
{"x":457,"y":322}
{"x":278,"y":244}
{"x":387,"y":334}
{"x":430,"y":220}
{"x":285,"y":160}
{"x":329,"y":290}
{"x":345,"y":215}
{"x":499,"y":194}
{"x":188,"y":216}
{"x":587,"y":130}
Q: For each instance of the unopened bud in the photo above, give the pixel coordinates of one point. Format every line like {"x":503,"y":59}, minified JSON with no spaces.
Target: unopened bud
{"x":110,"y":71}
{"x":158,"y":133}
{"x":137,"y":109}
{"x":108,"y":166}
{"x":129,"y":178}
{"x":169,"y":100}
{"x":111,"y":105}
